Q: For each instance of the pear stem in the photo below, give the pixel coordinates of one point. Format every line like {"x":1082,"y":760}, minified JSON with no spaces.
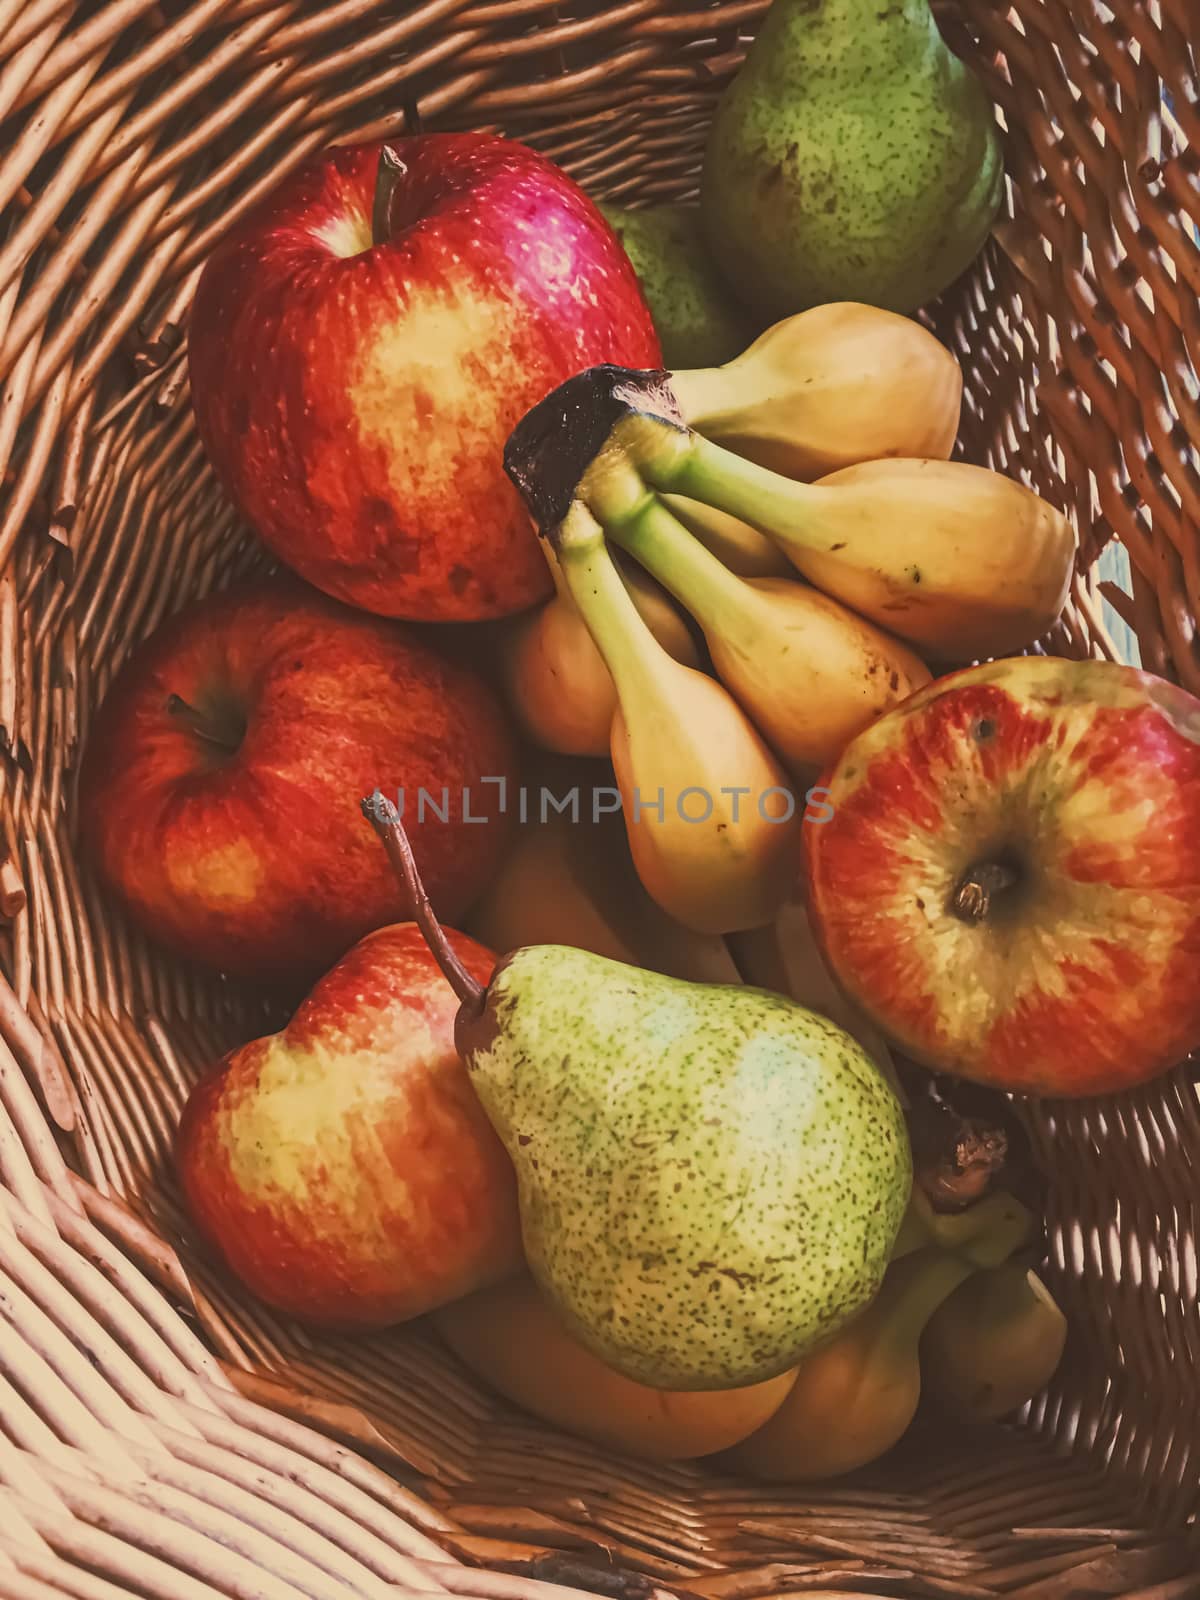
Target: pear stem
{"x":385,"y":819}
{"x":387,"y":176}
{"x":212,"y":730}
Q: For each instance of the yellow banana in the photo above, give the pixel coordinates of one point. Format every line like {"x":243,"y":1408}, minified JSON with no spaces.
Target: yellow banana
{"x":712,"y":823}
{"x":509,"y":1337}
{"x":555,"y":681}
{"x":810,"y":673}
{"x":960,"y":561}
{"x":855,"y":1397}
{"x":826,"y":388}
{"x":569,"y":879}
{"x":994,"y":1344}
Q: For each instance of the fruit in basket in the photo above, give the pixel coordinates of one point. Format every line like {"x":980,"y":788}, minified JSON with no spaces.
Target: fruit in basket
{"x":343,"y":1168}
{"x":711,"y":1178}
{"x":1008,"y":882}
{"x":735,"y":544}
{"x":512,"y":1339}
{"x":712,"y":823}
{"x":784,"y":956}
{"x":967,"y":1139}
{"x":955,"y":559}
{"x":827,"y":388}
{"x":855,"y":1397}
{"x":555,"y":680}
{"x":541,"y":896}
{"x":362,"y":342}
{"x":810,"y":673}
{"x":993,"y":1345}
{"x":569,"y":878}
{"x":271,"y":702}
{"x":853,"y":156}
{"x":984,"y":1233}
{"x":960,"y":561}
{"x":698,"y":321}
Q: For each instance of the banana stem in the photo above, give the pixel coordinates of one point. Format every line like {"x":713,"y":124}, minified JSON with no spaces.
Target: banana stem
{"x":655,"y":537}
{"x":986,"y":1233}
{"x":920,"y":1287}
{"x":914,"y":1234}
{"x":630,"y":651}
{"x":784,"y":510}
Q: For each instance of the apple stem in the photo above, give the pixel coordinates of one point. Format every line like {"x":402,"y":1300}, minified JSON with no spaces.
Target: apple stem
{"x":387,"y":174}
{"x":972,"y":900}
{"x":385,"y":819}
{"x":206,"y":727}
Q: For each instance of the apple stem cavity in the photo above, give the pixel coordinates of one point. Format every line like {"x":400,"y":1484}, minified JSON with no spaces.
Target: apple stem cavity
{"x":203,"y":725}
{"x":974,"y":898}
{"x":388,"y":174}
{"x":385,"y":819}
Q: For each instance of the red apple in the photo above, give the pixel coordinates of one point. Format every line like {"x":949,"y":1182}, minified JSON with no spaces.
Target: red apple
{"x":356,"y":369}
{"x":222,"y":778}
{"x":343,"y":1168}
{"x":1009,"y":881}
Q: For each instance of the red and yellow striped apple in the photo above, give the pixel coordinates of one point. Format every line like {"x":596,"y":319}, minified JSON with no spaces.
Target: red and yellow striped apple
{"x":343,"y":1168}
{"x":1009,"y":884}
{"x":223,"y":772}
{"x":362,"y":344}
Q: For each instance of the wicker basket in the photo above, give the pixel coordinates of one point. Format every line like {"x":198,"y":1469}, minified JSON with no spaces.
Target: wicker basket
{"x":162,"y":1435}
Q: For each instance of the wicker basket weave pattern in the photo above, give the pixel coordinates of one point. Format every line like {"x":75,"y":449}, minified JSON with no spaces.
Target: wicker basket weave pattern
{"x":160,"y":1434}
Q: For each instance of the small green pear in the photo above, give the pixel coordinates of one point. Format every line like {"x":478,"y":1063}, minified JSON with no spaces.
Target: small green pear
{"x":698,"y":321}
{"x":710,"y":1177}
{"x":853,"y":157}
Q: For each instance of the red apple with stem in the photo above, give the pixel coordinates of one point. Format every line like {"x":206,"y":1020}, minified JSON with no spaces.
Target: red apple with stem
{"x":362,"y":344}
{"x":217,"y":773}
{"x":343,"y":1168}
{"x":1009,"y":882}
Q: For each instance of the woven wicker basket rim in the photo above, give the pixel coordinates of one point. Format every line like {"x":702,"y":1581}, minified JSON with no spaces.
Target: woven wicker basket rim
{"x":160,"y":1433}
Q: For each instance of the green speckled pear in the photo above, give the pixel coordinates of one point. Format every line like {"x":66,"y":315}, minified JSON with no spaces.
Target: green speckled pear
{"x":699,"y":323}
{"x":854,"y":157}
{"x":711,"y":1177}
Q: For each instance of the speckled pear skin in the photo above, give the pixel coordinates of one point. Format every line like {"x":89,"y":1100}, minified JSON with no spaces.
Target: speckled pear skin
{"x":854,"y":157}
{"x":711,"y":1178}
{"x":699,"y":323}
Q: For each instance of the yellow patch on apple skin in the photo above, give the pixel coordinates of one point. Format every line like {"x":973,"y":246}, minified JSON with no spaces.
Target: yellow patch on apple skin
{"x":443,"y":345}
{"x":296,"y":1130}
{"x":225,"y":877}
{"x":346,"y":234}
